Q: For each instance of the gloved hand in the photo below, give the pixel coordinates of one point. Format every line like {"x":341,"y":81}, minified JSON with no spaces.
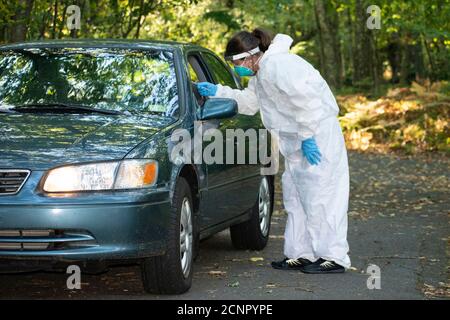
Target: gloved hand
{"x":206,"y":89}
{"x":311,"y":151}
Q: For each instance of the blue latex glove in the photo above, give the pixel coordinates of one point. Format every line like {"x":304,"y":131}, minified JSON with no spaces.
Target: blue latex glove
{"x":206,"y":89}
{"x":311,"y":151}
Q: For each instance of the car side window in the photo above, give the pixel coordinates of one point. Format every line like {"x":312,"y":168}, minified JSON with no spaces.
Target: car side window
{"x":197,"y":74}
{"x":192,"y":74}
{"x":220,"y":73}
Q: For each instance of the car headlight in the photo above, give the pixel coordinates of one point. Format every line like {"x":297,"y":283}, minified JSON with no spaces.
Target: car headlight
{"x":111,"y":175}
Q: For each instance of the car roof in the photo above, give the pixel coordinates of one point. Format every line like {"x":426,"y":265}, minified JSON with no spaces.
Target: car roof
{"x":103,"y":43}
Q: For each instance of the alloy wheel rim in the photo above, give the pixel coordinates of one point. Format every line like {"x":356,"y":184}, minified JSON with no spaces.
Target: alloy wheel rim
{"x":264,"y":206}
{"x":186,"y":237}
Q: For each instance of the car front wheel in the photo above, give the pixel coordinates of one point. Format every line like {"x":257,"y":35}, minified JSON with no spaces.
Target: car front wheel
{"x":172,"y":272}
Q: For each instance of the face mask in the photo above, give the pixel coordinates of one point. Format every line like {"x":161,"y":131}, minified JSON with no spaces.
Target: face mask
{"x":244,"y":71}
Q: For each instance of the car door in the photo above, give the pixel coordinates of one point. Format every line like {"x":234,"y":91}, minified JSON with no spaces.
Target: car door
{"x":232,"y":187}
{"x":215,"y":200}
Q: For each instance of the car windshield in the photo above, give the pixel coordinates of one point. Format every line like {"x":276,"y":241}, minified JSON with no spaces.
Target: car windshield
{"x":103,"y":79}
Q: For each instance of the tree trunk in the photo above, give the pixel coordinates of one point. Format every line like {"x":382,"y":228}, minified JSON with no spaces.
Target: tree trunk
{"x":21,"y":20}
{"x":139,"y":20}
{"x":394,"y":55}
{"x":404,"y":65}
{"x":375,"y":66}
{"x":43,"y":27}
{"x":61,"y":24}
{"x":367,"y":65}
{"x":362,"y":54}
{"x":413,"y":67}
{"x":347,"y":53}
{"x":55,"y":19}
{"x":330,"y":49}
{"x":432,"y":71}
{"x":3,"y":34}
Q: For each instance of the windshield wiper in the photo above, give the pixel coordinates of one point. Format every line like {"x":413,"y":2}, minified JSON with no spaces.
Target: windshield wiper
{"x":49,"y":107}
{"x":6,"y":111}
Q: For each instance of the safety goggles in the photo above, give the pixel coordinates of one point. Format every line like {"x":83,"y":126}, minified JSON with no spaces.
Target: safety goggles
{"x":243,"y":55}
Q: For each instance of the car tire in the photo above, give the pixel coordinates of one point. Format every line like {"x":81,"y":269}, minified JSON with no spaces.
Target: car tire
{"x":254,"y":233}
{"x":167,"y":274}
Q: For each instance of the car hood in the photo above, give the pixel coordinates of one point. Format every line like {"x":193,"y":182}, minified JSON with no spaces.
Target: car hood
{"x":40,"y":142}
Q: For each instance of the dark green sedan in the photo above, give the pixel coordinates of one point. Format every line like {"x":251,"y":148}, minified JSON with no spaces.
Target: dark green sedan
{"x":86,"y":173}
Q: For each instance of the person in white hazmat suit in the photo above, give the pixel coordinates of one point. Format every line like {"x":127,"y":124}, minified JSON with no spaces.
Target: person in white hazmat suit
{"x":297,"y":105}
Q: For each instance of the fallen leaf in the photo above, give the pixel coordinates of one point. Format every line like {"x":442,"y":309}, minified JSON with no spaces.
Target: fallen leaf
{"x":256,"y":259}
{"x":217,"y":273}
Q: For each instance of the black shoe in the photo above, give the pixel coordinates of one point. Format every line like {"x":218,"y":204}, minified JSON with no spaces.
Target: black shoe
{"x":291,"y":264}
{"x":323,"y":266}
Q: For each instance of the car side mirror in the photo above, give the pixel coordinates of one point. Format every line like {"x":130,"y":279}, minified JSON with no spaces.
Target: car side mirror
{"x":218,"y":108}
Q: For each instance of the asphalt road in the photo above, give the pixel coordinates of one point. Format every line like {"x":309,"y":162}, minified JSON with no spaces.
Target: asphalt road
{"x":399,"y":221}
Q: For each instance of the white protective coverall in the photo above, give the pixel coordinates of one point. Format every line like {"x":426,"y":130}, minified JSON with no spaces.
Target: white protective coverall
{"x":295,"y":104}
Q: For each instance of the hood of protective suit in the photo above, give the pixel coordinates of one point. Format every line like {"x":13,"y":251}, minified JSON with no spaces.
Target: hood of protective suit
{"x":280,"y":44}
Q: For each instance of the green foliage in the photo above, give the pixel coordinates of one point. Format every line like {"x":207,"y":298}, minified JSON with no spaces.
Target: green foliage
{"x":223,"y":17}
{"x":413,"y":44}
{"x":414,"y":40}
